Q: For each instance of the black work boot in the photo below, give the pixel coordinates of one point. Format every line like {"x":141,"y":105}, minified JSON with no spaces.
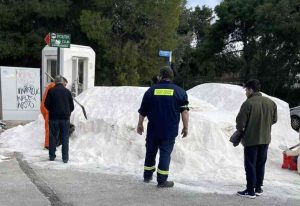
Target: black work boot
{"x":166,"y":184}
{"x":147,"y":180}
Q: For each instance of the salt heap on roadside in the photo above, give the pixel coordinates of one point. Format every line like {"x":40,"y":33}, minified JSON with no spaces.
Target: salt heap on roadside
{"x":108,"y":140}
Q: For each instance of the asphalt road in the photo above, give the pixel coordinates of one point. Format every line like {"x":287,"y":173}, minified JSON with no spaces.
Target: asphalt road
{"x":25,"y":184}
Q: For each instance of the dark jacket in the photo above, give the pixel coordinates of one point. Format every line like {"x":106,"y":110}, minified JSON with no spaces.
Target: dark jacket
{"x":255,"y":118}
{"x":59,"y":103}
{"x":162,"y":104}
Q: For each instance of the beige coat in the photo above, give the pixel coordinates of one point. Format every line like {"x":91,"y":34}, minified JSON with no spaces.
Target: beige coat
{"x":295,"y":152}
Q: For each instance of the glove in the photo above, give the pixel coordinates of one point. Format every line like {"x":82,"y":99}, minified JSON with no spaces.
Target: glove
{"x":236,"y":137}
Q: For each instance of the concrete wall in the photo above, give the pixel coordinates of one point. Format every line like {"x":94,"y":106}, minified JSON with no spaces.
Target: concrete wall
{"x":20,"y":93}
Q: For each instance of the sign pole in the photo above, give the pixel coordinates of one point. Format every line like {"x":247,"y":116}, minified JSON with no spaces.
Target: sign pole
{"x":60,"y":41}
{"x":58,"y":60}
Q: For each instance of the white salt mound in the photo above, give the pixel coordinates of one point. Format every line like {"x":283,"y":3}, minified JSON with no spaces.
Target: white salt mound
{"x":204,"y":161}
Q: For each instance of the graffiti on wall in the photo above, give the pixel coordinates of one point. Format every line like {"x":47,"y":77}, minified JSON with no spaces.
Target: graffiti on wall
{"x":27,"y":96}
{"x":28,"y":90}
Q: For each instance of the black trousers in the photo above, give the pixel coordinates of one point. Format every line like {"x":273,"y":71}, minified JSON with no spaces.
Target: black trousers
{"x":59,"y":127}
{"x":255,"y":158}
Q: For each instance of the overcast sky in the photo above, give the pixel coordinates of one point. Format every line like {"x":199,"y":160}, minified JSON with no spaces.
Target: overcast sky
{"x":209,"y":3}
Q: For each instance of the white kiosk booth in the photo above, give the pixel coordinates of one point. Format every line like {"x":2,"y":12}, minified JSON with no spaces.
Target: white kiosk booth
{"x":77,"y":65}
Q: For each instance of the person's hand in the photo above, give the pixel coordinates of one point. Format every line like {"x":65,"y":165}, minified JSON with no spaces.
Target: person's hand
{"x":140,"y":129}
{"x":184,"y":132}
{"x":236,"y":144}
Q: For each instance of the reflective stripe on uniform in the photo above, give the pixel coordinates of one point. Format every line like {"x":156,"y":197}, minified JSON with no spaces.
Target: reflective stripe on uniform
{"x":185,"y":107}
{"x":164,"y":92}
{"x":149,"y":168}
{"x":162,"y":172}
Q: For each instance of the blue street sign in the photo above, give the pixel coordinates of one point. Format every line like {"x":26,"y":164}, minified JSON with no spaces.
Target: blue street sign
{"x":162,"y":53}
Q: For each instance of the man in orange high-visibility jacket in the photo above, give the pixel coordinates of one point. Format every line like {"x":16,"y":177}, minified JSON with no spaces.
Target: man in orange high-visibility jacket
{"x":45,"y":114}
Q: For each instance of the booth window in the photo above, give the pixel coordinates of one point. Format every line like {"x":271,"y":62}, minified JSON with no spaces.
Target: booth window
{"x":52,"y":69}
{"x":78,"y":75}
{"x":80,"y":70}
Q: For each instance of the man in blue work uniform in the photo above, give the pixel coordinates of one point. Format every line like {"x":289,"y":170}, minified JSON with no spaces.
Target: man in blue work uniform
{"x":162,"y":104}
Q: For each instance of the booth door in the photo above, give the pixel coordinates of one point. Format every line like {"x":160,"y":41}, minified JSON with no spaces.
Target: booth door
{"x":78,"y":75}
{"x":51,"y":69}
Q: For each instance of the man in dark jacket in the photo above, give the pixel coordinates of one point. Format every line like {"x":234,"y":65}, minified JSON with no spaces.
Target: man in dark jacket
{"x":162,"y":104}
{"x":255,"y":119}
{"x":59,"y":103}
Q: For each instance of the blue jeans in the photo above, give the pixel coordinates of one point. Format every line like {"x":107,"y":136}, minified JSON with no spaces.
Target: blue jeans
{"x":59,"y":129}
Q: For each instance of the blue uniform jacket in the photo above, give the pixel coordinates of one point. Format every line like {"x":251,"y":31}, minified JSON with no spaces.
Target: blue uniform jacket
{"x":162,"y":104}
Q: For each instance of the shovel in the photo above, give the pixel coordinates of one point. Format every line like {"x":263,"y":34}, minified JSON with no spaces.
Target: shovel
{"x":285,"y":148}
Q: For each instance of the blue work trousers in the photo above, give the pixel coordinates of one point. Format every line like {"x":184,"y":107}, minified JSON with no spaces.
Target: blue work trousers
{"x":165,"y":147}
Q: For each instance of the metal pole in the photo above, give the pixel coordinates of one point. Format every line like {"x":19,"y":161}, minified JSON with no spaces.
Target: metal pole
{"x":41,"y":84}
{"x":58,"y":61}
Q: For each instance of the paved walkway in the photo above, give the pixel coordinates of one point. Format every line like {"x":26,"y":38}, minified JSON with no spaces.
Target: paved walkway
{"x":16,"y":189}
{"x":24,"y":184}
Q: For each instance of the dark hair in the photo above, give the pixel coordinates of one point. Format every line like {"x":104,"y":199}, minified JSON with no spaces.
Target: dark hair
{"x":166,"y":73}
{"x":253,"y":84}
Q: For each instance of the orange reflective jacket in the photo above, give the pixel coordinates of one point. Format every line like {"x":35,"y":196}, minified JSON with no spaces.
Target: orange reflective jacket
{"x":45,"y":114}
